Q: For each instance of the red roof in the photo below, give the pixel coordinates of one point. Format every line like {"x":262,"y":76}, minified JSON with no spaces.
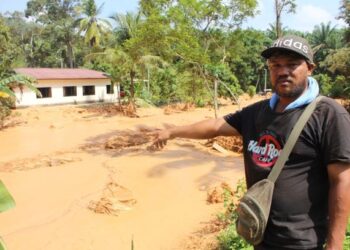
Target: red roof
{"x":58,"y":73}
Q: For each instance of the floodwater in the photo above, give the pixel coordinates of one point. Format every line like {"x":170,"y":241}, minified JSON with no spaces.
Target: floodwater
{"x":72,"y":193}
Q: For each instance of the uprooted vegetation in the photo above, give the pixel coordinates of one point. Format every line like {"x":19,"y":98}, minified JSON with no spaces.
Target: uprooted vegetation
{"x":128,"y":138}
{"x":231,"y":143}
{"x":142,"y":138}
{"x":114,"y":199}
{"x":110,"y":109}
{"x":178,"y":107}
{"x":42,"y":161}
{"x":218,"y":194}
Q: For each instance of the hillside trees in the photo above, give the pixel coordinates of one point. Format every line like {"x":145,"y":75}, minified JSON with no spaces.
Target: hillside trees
{"x":333,"y":56}
{"x":170,"y":50}
{"x":246,"y":62}
{"x":189,"y":38}
{"x":54,"y":44}
{"x":8,"y":50}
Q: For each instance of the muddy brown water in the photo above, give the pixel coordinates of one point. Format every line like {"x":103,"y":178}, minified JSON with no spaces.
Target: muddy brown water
{"x":55,"y":165}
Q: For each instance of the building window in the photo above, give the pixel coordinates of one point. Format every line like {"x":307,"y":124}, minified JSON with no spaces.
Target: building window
{"x":88,"y":90}
{"x":70,"y":91}
{"x":45,"y":93}
{"x":109,"y":89}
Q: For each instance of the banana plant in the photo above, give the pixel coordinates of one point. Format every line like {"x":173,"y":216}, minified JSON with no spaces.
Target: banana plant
{"x":17,"y":81}
{"x":5,"y":91}
{"x":6,"y":203}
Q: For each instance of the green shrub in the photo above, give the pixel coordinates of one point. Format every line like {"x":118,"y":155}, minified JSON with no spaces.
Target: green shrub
{"x":341,"y":87}
{"x":4,"y":112}
{"x":9,"y":102}
{"x":251,"y":90}
{"x":229,"y":238}
{"x":325,"y":83}
{"x":5,"y":108}
{"x":347,"y":237}
{"x":200,"y":103}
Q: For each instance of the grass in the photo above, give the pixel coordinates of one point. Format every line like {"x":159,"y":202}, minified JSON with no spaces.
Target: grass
{"x":229,"y":238}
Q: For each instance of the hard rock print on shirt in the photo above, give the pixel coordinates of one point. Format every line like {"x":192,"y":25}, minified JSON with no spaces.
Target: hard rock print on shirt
{"x":266,"y":150}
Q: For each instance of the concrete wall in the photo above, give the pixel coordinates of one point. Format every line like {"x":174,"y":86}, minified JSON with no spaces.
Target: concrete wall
{"x":28,"y":97}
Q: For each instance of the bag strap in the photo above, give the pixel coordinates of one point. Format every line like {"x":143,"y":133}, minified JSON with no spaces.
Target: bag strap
{"x":276,"y":170}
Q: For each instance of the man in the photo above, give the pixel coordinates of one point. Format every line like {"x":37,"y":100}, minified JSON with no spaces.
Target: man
{"x":311,"y":200}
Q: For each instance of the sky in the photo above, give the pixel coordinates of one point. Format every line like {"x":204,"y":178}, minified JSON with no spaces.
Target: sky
{"x":308,"y":14}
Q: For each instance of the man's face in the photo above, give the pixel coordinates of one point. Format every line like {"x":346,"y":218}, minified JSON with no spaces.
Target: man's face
{"x":288,"y":73}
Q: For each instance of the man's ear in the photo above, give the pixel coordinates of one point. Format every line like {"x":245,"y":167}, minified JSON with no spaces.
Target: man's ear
{"x":311,"y":67}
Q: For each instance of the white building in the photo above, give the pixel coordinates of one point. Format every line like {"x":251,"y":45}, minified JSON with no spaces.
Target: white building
{"x":60,"y":86}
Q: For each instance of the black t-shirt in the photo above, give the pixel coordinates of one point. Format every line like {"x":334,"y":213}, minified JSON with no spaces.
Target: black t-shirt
{"x":299,"y":211}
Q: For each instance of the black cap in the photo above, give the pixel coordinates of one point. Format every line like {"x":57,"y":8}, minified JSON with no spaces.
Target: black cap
{"x":292,"y":43}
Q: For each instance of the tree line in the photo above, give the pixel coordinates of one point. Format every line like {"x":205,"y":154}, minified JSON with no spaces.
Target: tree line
{"x":169,"y":50}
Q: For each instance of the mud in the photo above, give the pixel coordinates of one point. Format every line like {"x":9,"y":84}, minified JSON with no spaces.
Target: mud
{"x":82,"y":178}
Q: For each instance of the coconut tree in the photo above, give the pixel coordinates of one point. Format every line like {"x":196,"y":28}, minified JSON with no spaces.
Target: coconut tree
{"x":127,"y":25}
{"x":92,"y":26}
{"x":128,"y":64}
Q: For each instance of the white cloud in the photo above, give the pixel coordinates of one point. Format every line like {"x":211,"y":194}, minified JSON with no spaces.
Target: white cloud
{"x":315,"y":14}
{"x":307,"y":16}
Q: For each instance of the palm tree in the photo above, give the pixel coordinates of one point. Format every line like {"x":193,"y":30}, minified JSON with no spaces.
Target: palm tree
{"x":324,"y":40}
{"x":131,"y":58}
{"x":322,"y":36}
{"x":129,"y":65}
{"x":271,"y":31}
{"x":126,"y":25}
{"x":92,"y":26}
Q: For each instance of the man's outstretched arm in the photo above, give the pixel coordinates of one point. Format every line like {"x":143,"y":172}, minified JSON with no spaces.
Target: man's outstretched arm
{"x":201,"y":130}
{"x":339,"y":204}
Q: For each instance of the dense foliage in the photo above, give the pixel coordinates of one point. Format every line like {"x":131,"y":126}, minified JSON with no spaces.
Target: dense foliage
{"x":169,"y":50}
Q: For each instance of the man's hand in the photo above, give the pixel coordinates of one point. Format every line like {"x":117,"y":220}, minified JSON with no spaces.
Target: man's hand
{"x":205,"y":129}
{"x":161,"y":138}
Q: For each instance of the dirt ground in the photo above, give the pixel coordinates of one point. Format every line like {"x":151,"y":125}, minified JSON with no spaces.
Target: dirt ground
{"x":85,"y":177}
